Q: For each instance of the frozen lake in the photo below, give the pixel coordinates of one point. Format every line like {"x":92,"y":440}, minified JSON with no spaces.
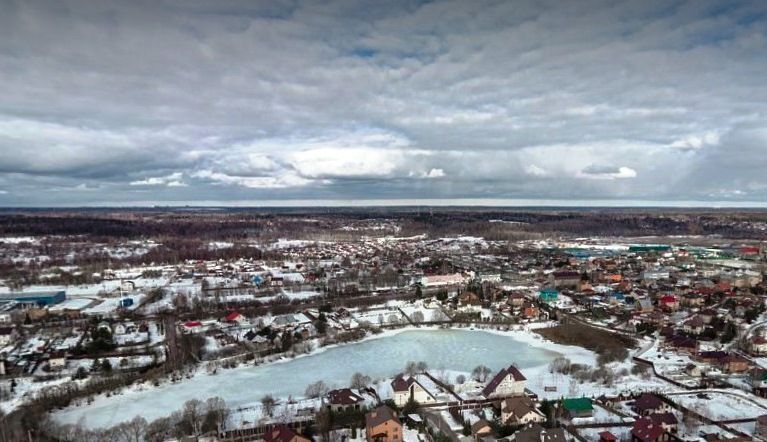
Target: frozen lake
{"x":451,"y":349}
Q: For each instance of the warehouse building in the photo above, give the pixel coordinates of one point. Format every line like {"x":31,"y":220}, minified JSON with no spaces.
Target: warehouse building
{"x":34,"y":299}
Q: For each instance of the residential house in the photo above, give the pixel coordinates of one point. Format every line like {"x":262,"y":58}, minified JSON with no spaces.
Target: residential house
{"x":530,"y":311}
{"x":57,"y":361}
{"x":548,"y":295}
{"x":565,"y":279}
{"x":345,"y":399}
{"x":649,"y":403}
{"x":405,"y":389}
{"x":7,"y":335}
{"x":644,"y":305}
{"x":666,"y":420}
{"x":645,"y":430}
{"x":694,"y":326}
{"x":192,"y":327}
{"x":761,"y":426}
{"x":383,"y":425}
{"x":520,"y":410}
{"x":536,"y":433}
{"x":577,"y":407}
{"x":507,"y":382}
{"x":469,"y":299}
{"x":235,"y":318}
{"x":733,"y":363}
{"x":283,"y":433}
{"x":669,"y":302}
{"x":758,"y":345}
{"x":682,"y":344}
{"x":481,"y":429}
{"x":516,"y":299}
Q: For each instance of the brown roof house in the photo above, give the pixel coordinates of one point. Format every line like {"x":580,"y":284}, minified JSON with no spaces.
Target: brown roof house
{"x":646,"y":430}
{"x":480,"y":429}
{"x":283,"y":433}
{"x":411,"y":388}
{"x":520,"y":410}
{"x":508,"y":382}
{"x":650,"y":404}
{"x":383,"y":425}
{"x":536,"y":433}
{"x":344,"y":399}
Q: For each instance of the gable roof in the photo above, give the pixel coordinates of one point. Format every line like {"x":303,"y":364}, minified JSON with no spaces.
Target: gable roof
{"x":648,"y":401}
{"x":536,"y":433}
{"x":500,"y":376}
{"x":380,"y":415}
{"x":667,"y":418}
{"x":232,"y":316}
{"x":401,"y":384}
{"x":646,"y":430}
{"x":577,"y":404}
{"x":280,"y":433}
{"x":480,"y":425}
{"x":518,"y":406}
{"x":344,"y":396}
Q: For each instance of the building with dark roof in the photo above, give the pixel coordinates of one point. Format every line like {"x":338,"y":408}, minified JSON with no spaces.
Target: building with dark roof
{"x":283,"y":433}
{"x":383,"y":425}
{"x":35,"y":299}
{"x":344,"y":399}
{"x":507,"y":382}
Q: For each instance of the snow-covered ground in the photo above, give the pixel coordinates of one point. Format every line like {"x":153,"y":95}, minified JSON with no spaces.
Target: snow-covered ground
{"x":721,"y":405}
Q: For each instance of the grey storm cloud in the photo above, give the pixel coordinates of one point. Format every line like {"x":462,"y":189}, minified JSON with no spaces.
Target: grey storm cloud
{"x":276,"y":100}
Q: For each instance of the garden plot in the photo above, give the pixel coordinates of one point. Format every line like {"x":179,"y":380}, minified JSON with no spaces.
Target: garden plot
{"x":380,"y":316}
{"x":720,"y":406}
{"x":601,"y":416}
{"x":423,"y":314}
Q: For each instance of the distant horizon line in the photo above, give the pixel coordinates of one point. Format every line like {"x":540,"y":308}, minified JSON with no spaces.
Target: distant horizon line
{"x":412,"y":202}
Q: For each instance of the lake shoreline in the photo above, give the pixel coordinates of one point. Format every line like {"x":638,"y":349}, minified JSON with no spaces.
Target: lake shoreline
{"x":105,"y":411}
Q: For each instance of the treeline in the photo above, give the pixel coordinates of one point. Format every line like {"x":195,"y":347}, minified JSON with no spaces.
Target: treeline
{"x":323,"y":223}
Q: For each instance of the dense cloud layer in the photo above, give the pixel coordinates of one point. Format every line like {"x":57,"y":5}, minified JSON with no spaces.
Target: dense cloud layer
{"x":229,"y":100}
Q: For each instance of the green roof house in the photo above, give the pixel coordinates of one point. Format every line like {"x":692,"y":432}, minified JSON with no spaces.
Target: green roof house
{"x":548,"y":295}
{"x":578,"y":407}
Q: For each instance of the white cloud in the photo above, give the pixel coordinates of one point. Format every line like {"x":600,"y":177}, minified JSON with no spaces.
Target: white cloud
{"x":172,"y":180}
{"x":435,"y":173}
{"x":532,"y":169}
{"x":695,"y":142}
{"x":607,"y":173}
{"x":266,"y":182}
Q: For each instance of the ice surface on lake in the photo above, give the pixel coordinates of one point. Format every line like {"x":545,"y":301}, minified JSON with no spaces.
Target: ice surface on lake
{"x":460,"y":350}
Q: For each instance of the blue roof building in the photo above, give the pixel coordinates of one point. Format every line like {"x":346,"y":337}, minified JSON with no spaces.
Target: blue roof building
{"x":40,"y":299}
{"x":548,"y":295}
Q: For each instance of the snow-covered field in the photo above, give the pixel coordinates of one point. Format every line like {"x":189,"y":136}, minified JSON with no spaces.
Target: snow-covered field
{"x":721,"y":405}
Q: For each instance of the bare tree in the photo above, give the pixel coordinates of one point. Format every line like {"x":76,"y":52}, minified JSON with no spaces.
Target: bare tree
{"x":192,"y":415}
{"x":480,"y":373}
{"x":316,"y":390}
{"x":216,"y":413}
{"x":421,"y":366}
{"x":411,"y":368}
{"x":460,"y":379}
{"x":417,"y":317}
{"x":134,"y":430}
{"x":359,"y":381}
{"x":268,"y":403}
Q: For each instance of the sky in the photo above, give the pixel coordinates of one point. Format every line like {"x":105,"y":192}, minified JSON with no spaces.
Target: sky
{"x":219,"y":101}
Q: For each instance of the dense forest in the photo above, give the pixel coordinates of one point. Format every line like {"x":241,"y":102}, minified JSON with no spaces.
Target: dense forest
{"x":235,"y":224}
